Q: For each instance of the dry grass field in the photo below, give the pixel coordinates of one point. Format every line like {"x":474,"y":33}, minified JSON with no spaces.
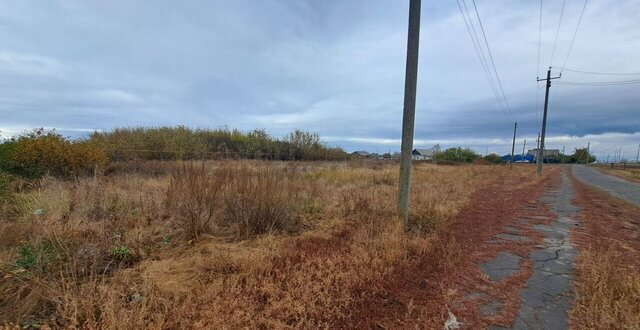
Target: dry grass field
{"x":218,"y":244}
{"x":631,"y":172}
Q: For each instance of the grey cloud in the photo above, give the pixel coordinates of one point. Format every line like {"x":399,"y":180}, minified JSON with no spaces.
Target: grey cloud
{"x":333,"y":67}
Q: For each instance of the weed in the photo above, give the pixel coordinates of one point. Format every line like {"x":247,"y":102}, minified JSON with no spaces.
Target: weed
{"x":121,"y":252}
{"x":260,"y":201}
{"x":193,"y":198}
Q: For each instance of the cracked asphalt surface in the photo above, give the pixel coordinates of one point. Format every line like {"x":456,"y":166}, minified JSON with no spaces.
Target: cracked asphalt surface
{"x":547,"y":296}
{"x":618,"y":187}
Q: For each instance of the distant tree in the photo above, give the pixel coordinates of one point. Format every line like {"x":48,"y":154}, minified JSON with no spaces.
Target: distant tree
{"x":181,"y":142}
{"x":461,"y":155}
{"x":494,"y":158}
{"x":580,"y":156}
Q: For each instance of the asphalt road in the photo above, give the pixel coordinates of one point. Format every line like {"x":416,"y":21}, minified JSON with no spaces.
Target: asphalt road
{"x":621,"y":188}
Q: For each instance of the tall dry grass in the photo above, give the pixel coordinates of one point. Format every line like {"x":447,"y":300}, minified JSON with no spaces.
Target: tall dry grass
{"x":610,"y":290}
{"x":279,"y":244}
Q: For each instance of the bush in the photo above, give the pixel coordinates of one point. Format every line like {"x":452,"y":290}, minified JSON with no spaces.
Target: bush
{"x":460,"y":155}
{"x":260,"y":201}
{"x":183,"y":143}
{"x":41,"y":152}
{"x":249,"y":201}
{"x":192,"y":198}
{"x":493,"y":158}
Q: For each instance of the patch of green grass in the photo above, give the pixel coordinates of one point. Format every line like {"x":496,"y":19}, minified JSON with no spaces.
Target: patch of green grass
{"x":121,"y":252}
{"x":34,"y":256}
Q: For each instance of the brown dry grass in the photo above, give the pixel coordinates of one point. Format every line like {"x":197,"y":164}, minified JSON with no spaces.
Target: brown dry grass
{"x":607,"y":282}
{"x":279,"y":244}
{"x":631,"y":173}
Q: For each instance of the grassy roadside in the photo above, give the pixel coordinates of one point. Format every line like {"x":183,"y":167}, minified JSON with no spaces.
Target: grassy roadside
{"x":607,"y":272}
{"x":227,"y":245}
{"x":632,"y":173}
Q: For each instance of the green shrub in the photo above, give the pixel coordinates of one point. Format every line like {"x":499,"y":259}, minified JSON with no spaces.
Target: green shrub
{"x":462,"y":155}
{"x":183,"y":143}
{"x":121,"y":252}
{"x":493,"y":158}
{"x":34,"y":257}
{"x":41,"y":152}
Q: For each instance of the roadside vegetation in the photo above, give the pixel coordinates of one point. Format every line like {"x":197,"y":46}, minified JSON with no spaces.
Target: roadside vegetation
{"x":607,"y":281}
{"x":183,"y":143}
{"x":222,"y":244}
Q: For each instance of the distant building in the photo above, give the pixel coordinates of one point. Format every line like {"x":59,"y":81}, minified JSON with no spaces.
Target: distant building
{"x":548,"y":155}
{"x":518,"y":158}
{"x":423,"y":154}
{"x":361,"y":153}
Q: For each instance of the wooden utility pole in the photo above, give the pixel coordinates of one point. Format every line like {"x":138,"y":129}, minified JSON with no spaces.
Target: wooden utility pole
{"x":544,"y":121}
{"x":409,"y":112}
{"x":513,"y":145}
{"x":524,"y":146}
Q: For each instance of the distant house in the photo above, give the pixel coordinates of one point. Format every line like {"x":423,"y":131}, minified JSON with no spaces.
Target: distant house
{"x":422,"y":154}
{"x":361,"y":154}
{"x":548,"y":155}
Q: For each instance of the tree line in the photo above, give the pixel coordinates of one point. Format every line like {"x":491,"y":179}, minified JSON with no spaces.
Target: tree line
{"x":183,"y":143}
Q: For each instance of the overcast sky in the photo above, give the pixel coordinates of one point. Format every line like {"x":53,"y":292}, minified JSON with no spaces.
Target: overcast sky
{"x":334,"y":67}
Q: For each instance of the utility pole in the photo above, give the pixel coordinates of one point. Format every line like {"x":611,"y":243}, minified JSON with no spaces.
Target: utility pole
{"x":524,"y":146}
{"x":513,"y":145}
{"x":588,"y":154}
{"x":409,"y":111}
{"x":538,"y":142}
{"x":638,"y":154}
{"x":544,"y":121}
{"x":562,"y":158}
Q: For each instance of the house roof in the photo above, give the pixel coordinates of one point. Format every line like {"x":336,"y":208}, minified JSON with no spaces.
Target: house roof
{"x":423,"y":152}
{"x":545,"y":153}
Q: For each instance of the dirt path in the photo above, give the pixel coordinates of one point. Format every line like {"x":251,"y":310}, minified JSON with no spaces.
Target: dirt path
{"x":545,"y":299}
{"x":629,"y":191}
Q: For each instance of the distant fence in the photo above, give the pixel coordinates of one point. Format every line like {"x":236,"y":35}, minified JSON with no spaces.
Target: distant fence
{"x":171,"y":155}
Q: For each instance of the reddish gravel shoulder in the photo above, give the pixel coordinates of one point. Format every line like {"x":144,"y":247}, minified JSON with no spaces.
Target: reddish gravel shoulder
{"x":423,"y":291}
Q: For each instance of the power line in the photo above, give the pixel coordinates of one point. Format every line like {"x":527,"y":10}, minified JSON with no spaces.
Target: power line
{"x":491,"y":57}
{"x":601,"y":83}
{"x":557,"y":33}
{"x":574,"y":35}
{"x":479,"y":51}
{"x":602,"y":73}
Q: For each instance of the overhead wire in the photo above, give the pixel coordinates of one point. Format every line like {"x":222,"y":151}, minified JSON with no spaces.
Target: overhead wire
{"x":492,"y":61}
{"x":479,"y":51}
{"x":494,"y":86}
{"x":602,"y":73}
{"x":553,"y":53}
{"x":600,"y":83}
{"x":574,"y":35}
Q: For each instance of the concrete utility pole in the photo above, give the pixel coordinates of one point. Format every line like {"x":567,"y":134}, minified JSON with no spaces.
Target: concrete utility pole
{"x":544,"y":121}
{"x":638,"y":154}
{"x":588,"y":154}
{"x":538,"y":142}
{"x":409,"y":112}
{"x":513,"y":145}
{"x":524,"y":146}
